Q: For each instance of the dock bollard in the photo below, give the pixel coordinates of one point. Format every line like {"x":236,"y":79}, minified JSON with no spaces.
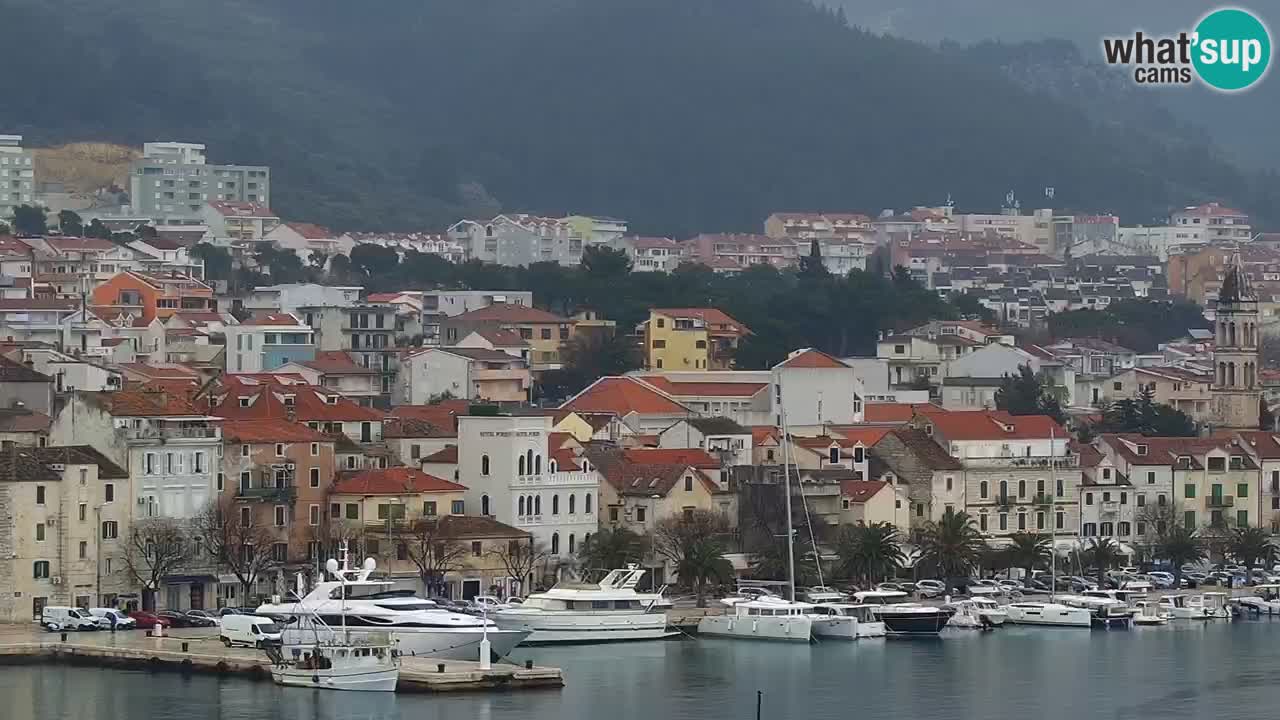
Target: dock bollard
{"x":157,"y":631}
{"x":64,"y":637}
{"x":440,"y":668}
{"x":528,"y":664}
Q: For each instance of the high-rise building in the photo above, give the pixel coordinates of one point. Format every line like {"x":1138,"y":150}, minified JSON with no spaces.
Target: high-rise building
{"x":173,"y":180}
{"x":1237,"y":393}
{"x":17,"y":176}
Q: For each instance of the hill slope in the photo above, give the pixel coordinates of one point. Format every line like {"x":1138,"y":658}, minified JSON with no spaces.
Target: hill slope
{"x":681,"y":115}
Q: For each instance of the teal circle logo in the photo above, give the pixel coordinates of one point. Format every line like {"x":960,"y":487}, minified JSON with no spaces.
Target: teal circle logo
{"x":1232,"y":49}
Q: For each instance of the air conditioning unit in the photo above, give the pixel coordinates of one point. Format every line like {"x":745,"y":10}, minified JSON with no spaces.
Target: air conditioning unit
{"x":56,"y":579}
{"x":289,"y":466}
{"x":142,"y":501}
{"x":51,"y":522}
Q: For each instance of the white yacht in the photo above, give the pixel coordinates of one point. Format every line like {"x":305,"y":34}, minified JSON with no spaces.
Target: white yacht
{"x":904,"y":618}
{"x":1150,"y":613}
{"x":768,"y":618}
{"x":1103,"y":611}
{"x":1195,"y":607}
{"x":845,"y":621}
{"x":1265,"y":601}
{"x":609,"y":611}
{"x":977,"y":613}
{"x":417,"y":626}
{"x":337,"y":661}
{"x":1048,"y":613}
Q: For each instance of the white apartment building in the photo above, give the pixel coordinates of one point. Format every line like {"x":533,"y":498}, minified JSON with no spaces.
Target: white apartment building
{"x":173,"y":181}
{"x":813,"y":389}
{"x":1219,"y":222}
{"x":505,"y":462}
{"x":291,"y":296}
{"x":17,"y":176}
{"x":267,"y":341}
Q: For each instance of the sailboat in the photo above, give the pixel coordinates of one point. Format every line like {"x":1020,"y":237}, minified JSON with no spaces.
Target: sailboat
{"x":317,"y":656}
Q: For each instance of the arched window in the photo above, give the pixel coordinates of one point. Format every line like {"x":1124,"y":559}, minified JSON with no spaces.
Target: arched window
{"x":520,"y":465}
{"x":537,"y":464}
{"x":570,"y":543}
{"x":1022,"y":488}
{"x":1231,"y":334}
{"x":555,"y":543}
{"x":586,"y":505}
{"x":1222,"y":373}
{"x":484,"y":464}
{"x":1040,"y":487}
{"x":1231,"y":374}
{"x":521,"y":503}
{"x":834,"y":455}
{"x":573,"y":499}
{"x":555,"y":504}
{"x":537,"y":504}
{"x":982,"y":490}
{"x":484,"y":504}
{"x":1004,"y":490}
{"x":528,"y":460}
{"x":551,"y":465}
{"x":586,"y":538}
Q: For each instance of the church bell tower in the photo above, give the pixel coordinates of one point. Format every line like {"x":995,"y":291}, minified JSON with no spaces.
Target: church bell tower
{"x":1237,"y":394}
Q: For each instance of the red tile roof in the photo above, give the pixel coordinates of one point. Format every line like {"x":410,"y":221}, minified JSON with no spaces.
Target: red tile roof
{"x":449,"y":454}
{"x":696,"y":457}
{"x":509,"y":313}
{"x":168,"y":372}
{"x":502,"y":338}
{"x":271,"y":431}
{"x":861,"y":490}
{"x":566,"y":460}
{"x":761,"y":433}
{"x":145,"y":403}
{"x":241,"y":209}
{"x":442,"y":414}
{"x":810,"y":358}
{"x":338,"y":362}
{"x":309,"y":405}
{"x":272,"y":319}
{"x":311,"y":231}
{"x":995,"y":425}
{"x":859,"y":433}
{"x":710,"y":316}
{"x":23,"y":421}
{"x":77,"y":244}
{"x":624,"y":395}
{"x":898,"y":412}
{"x":691,"y":389}
{"x":382,"y":297}
{"x":394,"y":481}
{"x":1265,"y":444}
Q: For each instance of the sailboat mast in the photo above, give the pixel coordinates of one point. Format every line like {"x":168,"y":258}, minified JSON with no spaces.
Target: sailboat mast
{"x":786,"y":493}
{"x":1053,"y":512}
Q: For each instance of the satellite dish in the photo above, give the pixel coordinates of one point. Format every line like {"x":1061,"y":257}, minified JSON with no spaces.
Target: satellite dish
{"x":370,"y":564}
{"x":332,"y":566}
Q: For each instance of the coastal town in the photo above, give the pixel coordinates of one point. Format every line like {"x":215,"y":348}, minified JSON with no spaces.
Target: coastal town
{"x":202,"y":403}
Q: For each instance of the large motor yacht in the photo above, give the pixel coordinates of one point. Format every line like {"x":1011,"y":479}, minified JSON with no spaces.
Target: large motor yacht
{"x":417,"y":626}
{"x":609,"y":611}
{"x":904,"y":618}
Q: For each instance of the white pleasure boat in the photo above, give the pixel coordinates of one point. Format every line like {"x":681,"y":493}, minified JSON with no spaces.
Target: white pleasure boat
{"x":1104,"y":612}
{"x":363,"y":661}
{"x":977,"y":613}
{"x":768,"y":618}
{"x":1048,"y":613}
{"x":1150,"y":613}
{"x":609,"y":611}
{"x":845,"y":621}
{"x":1265,"y":602}
{"x":417,"y":626}
{"x":1195,"y":607}
{"x":904,"y":618}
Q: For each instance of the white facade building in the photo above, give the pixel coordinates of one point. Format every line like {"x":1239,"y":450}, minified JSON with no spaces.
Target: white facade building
{"x":17,"y":176}
{"x":289,"y":297}
{"x":814,"y":389}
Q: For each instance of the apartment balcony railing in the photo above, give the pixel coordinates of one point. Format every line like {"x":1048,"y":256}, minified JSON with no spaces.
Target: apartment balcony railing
{"x":1220,"y":501}
{"x":552,"y":479}
{"x":1110,"y":507}
{"x":1042,"y":499}
{"x":282,"y":494}
{"x":183,"y":433}
{"x":1022,"y":461}
{"x":397,"y":525}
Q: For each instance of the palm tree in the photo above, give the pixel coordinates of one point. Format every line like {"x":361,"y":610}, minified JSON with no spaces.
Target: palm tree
{"x":1180,"y":546}
{"x":870,"y":552}
{"x":1103,"y":554}
{"x":703,"y":563}
{"x":610,"y":549}
{"x":1248,"y":545}
{"x":953,"y":544}
{"x":1029,"y":550}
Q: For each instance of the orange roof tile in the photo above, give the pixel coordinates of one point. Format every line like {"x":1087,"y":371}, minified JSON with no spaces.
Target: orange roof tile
{"x":337,"y":362}
{"x":709,"y":316}
{"x":145,"y":403}
{"x":859,"y":433}
{"x":898,"y":412}
{"x":271,"y":431}
{"x":696,"y":457}
{"x":448,"y":454}
{"x":394,"y":481}
{"x":761,"y":433}
{"x":994,"y":425}
{"x":624,"y":395}
{"x":310,"y":404}
{"x":507,"y":312}
{"x":861,"y":490}
{"x":810,"y":358}
{"x":272,"y":319}
{"x":693,"y":389}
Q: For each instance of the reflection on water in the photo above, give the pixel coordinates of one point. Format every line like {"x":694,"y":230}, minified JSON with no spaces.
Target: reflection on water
{"x":1184,"y":670}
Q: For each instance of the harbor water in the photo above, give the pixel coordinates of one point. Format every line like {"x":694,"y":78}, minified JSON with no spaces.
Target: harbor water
{"x":1184,"y":670}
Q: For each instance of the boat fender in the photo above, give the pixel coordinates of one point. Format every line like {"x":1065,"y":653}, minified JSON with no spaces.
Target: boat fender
{"x":315,"y":678}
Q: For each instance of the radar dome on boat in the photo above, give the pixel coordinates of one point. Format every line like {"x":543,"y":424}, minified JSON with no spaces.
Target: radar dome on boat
{"x":370,"y":564}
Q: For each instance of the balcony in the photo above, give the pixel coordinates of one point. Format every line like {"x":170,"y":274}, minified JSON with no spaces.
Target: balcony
{"x":1220,"y":501}
{"x":556,"y":479}
{"x":1110,"y":507}
{"x":180,"y":433}
{"x":396,"y":525}
{"x":1027,"y":462}
{"x":1042,"y":499}
{"x":282,"y":494}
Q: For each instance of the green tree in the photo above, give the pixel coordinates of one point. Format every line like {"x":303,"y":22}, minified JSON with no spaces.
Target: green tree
{"x":69,"y":223}
{"x":96,"y":229}
{"x":610,"y":549}
{"x":1029,"y":551}
{"x":217,"y":261}
{"x":703,"y":564}
{"x":30,"y":220}
{"x":692,"y":544}
{"x":589,"y":356}
{"x":1029,"y":393}
{"x":1144,"y":415}
{"x":605,"y":262}
{"x":1180,"y":546}
{"x":953,"y":545}
{"x":374,"y":261}
{"x":811,"y":265}
{"x":1102,"y":555}
{"x":870,"y":553}
{"x":1251,"y":545}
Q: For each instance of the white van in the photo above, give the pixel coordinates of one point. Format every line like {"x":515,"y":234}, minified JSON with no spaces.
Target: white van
{"x":249,"y":630}
{"x":61,"y":617}
{"x":104,"y":615}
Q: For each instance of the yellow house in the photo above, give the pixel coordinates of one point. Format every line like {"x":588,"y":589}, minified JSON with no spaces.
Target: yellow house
{"x":691,"y":339}
{"x":391,"y":497}
{"x":871,"y":502}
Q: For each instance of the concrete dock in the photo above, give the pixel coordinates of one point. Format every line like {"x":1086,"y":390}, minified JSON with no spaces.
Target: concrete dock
{"x":197,"y":651}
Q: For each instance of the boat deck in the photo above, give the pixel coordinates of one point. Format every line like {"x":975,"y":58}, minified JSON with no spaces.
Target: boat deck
{"x":195,"y":650}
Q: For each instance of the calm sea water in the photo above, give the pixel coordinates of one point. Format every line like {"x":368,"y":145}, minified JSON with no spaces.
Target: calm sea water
{"x":1222,"y":670}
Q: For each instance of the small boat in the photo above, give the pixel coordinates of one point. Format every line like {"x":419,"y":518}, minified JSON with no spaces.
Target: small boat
{"x":1266,"y":602}
{"x":1104,"y":612}
{"x":1149,"y":613}
{"x":904,"y":618}
{"x":1208,"y":606}
{"x":768,"y":618}
{"x":1050,"y":613}
{"x":822,"y":594}
{"x":339,"y":662}
{"x":966,"y":616}
{"x":609,"y":611}
{"x":990,"y":611}
{"x":845,"y":621}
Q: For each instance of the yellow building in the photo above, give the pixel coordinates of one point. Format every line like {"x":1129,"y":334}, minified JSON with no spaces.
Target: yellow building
{"x":691,"y":339}
{"x":544,"y":332}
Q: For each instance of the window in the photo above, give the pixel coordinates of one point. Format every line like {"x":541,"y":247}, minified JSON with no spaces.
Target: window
{"x":110,"y":530}
{"x":109,"y":492}
{"x":484,"y":465}
{"x":555,"y":543}
{"x":1004,"y":491}
{"x":353,"y":511}
{"x":244,"y":449}
{"x":1242,"y":518}
{"x":982,"y":490}
{"x":40,"y":569}
{"x":1107,"y":529}
{"x":950,"y":480}
{"x":572,"y":503}
{"x":39,"y":532}
{"x":1004,"y":521}
{"x":429,"y":508}
{"x":640,"y":514}
{"x":1242,"y":490}
{"x":1106,"y":497}
{"x":546,"y":333}
{"x":1189,"y":519}
{"x":84,"y":549}
{"x":280,"y":515}
{"x":246,"y":517}
{"x":1089,"y":529}
{"x":1022,"y":488}
{"x":84,"y":511}
{"x":1061,"y":520}
{"x":613,"y":514}
{"x":1151,"y":477}
{"x":280,"y":552}
{"x":458,"y":508}
{"x":1039,"y":521}
{"x":1217,"y":464}
{"x":150,"y":463}
{"x":39,"y":494}
{"x":899,"y":349}
{"x":982,"y":522}
{"x":586,"y":504}
{"x":1142,"y":500}
{"x":1088,"y":498}
{"x":700,"y":344}
{"x":1022,"y":521}
{"x":833,"y":455}
{"x":571,"y":543}
{"x":1189,"y":491}
{"x":197,"y":463}
{"x":313,"y":514}
{"x":1058,"y":489}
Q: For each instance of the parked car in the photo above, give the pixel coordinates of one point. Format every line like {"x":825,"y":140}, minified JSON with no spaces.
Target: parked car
{"x":235,"y":611}
{"x":891,"y":587}
{"x":931,"y":588}
{"x":1011,"y":585}
{"x":104,"y":616}
{"x":62,"y":617}
{"x":147,"y":619}
{"x":821,"y":594}
{"x":202,"y":618}
{"x":975,"y":586}
{"x":176,"y":619}
{"x":1162,"y":580}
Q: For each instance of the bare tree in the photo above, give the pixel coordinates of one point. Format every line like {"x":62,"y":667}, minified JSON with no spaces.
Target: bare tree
{"x":155,"y":549}
{"x":433,"y":549}
{"x":692,"y":542}
{"x":236,"y":542}
{"x":520,"y":558}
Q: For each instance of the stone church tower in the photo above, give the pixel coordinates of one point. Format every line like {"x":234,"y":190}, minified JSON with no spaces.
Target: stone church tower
{"x":1237,"y":393}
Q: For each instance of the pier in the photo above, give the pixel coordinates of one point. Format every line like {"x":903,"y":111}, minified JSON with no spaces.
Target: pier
{"x":194,"y":651}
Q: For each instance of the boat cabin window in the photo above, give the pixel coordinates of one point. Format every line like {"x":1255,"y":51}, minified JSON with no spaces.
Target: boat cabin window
{"x":754,"y":611}
{"x":599,"y":604}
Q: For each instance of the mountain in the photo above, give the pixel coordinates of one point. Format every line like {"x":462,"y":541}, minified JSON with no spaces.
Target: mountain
{"x":681,"y":115}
